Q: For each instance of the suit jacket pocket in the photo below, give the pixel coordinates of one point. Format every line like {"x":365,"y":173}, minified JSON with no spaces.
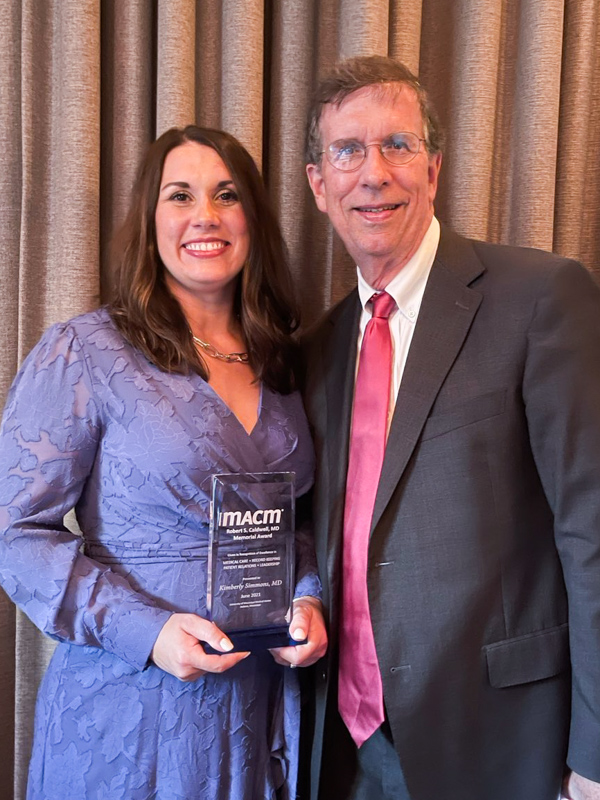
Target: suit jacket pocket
{"x":473,"y":409}
{"x":524,"y":659}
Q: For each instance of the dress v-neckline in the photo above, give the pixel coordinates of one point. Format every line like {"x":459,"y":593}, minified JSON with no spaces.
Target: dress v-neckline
{"x":233,"y":414}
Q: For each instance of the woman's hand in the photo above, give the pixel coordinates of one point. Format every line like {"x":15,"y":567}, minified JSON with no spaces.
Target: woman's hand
{"x":307,"y":623}
{"x":178,"y":648}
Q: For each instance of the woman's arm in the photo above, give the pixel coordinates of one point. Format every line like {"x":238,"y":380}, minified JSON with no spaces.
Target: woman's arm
{"x":49,"y":437}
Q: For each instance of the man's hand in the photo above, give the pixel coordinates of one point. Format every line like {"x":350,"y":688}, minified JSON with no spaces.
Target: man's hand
{"x":576,"y":787}
{"x":178,"y":648}
{"x":307,"y":623}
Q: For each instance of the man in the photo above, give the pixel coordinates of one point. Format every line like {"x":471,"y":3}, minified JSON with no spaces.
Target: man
{"x":457,"y":506}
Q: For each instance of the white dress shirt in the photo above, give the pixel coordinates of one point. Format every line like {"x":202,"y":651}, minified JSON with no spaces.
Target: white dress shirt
{"x":407,"y":289}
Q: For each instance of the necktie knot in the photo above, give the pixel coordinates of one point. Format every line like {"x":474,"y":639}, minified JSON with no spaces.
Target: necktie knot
{"x":383,"y":305}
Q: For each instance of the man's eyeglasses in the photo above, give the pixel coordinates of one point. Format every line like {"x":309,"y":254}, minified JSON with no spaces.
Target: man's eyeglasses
{"x":398,"y":149}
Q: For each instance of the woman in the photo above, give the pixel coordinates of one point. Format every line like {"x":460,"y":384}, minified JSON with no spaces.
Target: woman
{"x":124,"y":414}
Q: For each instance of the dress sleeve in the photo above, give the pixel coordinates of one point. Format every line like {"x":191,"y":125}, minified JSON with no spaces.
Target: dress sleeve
{"x":49,"y":438}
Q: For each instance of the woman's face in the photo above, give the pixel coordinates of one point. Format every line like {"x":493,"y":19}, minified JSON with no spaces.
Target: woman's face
{"x":201,"y":230}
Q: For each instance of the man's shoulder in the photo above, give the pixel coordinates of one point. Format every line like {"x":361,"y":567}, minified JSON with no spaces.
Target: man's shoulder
{"x":510,"y":273}
{"x":504,"y":257}
{"x":523,"y":257}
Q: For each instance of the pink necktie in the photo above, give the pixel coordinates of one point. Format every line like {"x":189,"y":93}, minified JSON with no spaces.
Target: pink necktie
{"x":360,"y":694}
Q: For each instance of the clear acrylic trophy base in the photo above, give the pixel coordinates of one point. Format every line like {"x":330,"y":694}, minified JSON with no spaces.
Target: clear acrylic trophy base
{"x":257,"y":639}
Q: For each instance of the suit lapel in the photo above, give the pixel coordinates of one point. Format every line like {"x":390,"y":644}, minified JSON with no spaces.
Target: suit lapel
{"x":447,"y":311}
{"x":340,"y":364}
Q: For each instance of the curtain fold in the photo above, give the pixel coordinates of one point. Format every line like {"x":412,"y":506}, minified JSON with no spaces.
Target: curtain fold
{"x":290,"y":85}
{"x":242,"y":69}
{"x":364,"y":28}
{"x":535,"y":131}
{"x":469,"y":97}
{"x":405,"y":32}
{"x":176,"y":62}
{"x":128,"y":118}
{"x":85,"y":85}
{"x":11,"y":157}
{"x":577,"y":209}
{"x":209,"y":51}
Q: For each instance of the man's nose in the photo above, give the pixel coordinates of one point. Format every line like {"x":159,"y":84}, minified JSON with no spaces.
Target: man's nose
{"x":375,"y":170}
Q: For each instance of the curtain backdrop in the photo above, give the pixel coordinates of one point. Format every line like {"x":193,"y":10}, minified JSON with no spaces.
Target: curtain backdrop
{"x":85,"y":85}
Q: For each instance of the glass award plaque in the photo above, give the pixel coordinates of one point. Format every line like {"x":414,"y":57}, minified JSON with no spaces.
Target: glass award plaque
{"x":251,"y":558}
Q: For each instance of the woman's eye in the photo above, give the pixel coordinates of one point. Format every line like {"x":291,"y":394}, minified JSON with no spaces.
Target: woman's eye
{"x":180,"y":197}
{"x":228,"y":196}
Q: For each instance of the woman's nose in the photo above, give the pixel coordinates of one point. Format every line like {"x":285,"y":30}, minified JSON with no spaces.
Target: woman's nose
{"x":205,"y":214}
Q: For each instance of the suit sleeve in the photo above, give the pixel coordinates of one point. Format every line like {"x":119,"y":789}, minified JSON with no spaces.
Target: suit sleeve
{"x":50,"y":434}
{"x":561,"y":391}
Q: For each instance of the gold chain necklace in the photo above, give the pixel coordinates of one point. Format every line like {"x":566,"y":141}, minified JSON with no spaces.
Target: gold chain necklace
{"x":241,"y":358}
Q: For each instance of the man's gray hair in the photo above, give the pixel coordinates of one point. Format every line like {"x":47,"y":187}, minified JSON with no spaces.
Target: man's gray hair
{"x":357,"y":73}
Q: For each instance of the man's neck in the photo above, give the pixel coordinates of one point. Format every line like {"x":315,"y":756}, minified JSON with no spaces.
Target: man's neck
{"x":379,"y":272}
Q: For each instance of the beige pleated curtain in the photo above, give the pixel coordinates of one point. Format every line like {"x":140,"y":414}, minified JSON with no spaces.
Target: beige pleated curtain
{"x":86,"y":84}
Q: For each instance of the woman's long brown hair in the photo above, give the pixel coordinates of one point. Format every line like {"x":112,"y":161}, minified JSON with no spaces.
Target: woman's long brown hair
{"x":150,"y":317}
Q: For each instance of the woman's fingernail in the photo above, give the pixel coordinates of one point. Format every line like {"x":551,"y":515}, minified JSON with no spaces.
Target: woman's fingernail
{"x":226,"y":644}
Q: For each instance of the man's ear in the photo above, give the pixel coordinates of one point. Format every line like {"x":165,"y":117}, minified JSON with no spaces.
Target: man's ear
{"x":433,"y":173}
{"x":317,"y":184}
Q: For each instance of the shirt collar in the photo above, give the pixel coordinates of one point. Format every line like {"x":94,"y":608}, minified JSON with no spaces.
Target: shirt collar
{"x":408,"y":285}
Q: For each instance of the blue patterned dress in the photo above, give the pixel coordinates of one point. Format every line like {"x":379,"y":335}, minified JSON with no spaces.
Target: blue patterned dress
{"x":91,"y":424}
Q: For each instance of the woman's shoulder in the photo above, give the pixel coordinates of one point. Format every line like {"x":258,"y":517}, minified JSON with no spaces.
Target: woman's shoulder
{"x":90,"y":323}
{"x":91,"y":336}
{"x":92,"y":329}
{"x":60,"y":364}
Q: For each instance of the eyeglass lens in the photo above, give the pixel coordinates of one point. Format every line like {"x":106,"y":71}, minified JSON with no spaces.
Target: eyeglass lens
{"x":397,"y":148}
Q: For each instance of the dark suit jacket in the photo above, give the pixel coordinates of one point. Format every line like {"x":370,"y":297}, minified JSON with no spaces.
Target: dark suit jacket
{"x":484,"y":559}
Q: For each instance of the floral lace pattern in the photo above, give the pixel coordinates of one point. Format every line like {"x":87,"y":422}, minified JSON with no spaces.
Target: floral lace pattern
{"x":90,"y":424}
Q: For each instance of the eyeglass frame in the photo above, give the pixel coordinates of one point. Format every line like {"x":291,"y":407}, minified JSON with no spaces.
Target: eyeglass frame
{"x":379,"y":146}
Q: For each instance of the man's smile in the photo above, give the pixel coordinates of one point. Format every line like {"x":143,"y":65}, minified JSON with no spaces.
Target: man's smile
{"x":378,"y":209}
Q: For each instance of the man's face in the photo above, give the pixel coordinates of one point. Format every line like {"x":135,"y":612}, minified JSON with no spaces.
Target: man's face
{"x":380,"y":211}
